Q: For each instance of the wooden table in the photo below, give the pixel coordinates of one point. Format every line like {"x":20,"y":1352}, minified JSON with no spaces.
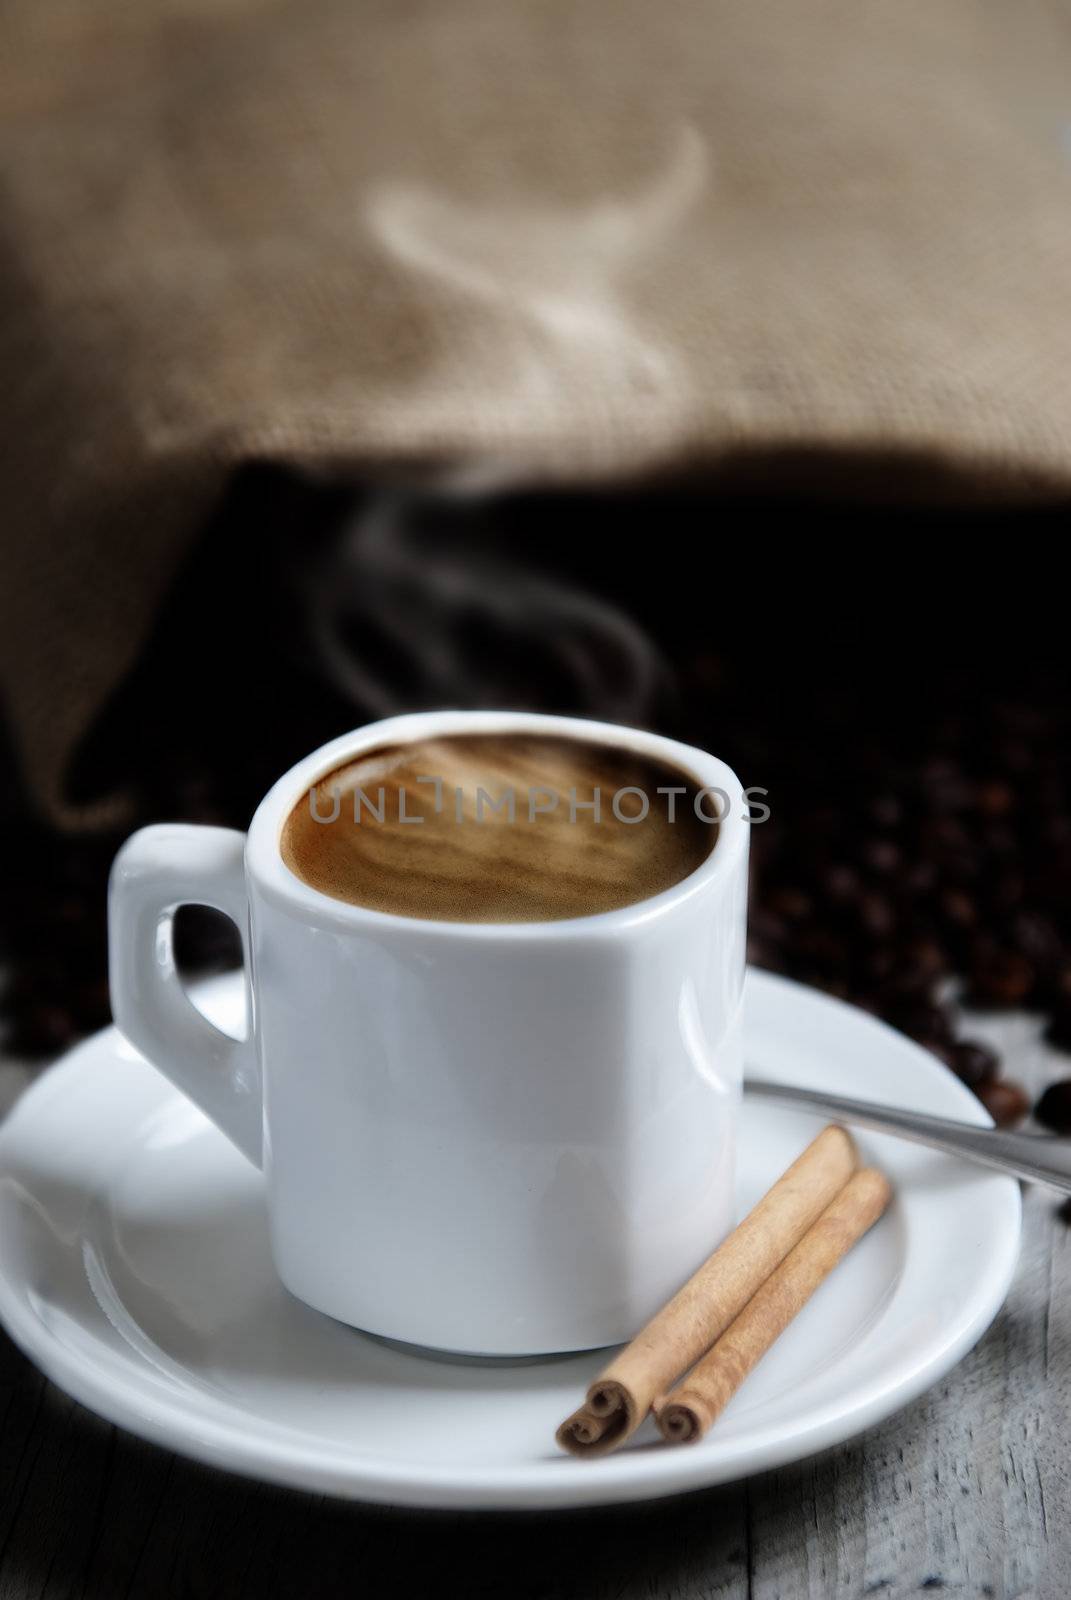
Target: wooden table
{"x":968,"y":1491}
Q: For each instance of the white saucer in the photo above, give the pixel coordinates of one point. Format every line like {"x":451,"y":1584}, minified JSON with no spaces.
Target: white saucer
{"x":134,"y":1269}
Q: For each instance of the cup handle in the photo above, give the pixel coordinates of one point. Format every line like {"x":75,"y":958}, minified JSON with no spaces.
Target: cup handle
{"x":157,"y":870}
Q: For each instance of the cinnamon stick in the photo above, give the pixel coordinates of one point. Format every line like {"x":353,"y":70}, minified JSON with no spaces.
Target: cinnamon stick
{"x":703,"y":1308}
{"x":685,"y":1415}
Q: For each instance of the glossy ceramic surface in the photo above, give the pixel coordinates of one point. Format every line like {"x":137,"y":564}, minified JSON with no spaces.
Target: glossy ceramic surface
{"x":491,"y":1138}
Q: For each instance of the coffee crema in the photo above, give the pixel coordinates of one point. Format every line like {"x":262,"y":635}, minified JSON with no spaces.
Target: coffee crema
{"x":499,"y":827}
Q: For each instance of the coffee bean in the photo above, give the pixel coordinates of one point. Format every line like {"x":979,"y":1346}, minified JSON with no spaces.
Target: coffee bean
{"x":922,"y":1019}
{"x":790,"y":903}
{"x":73,"y":910}
{"x":1056,"y":831}
{"x":921,"y":878}
{"x":895,"y":977}
{"x":975,"y":1063}
{"x":887,"y":811}
{"x":994,"y":799}
{"x":962,"y":868}
{"x":1007,"y":1103}
{"x":1014,"y":755}
{"x":1058,"y":1031}
{"x":767,"y":926}
{"x":876,"y":915}
{"x":880,"y":856}
{"x":1003,"y":979}
{"x":1036,"y":938}
{"x":945,"y":836}
{"x":944,"y":787}
{"x":958,"y":908}
{"x":841,"y":884}
{"x":999,"y":843}
{"x":1006,"y":890}
{"x":1054,"y":1107}
{"x":925,"y":959}
{"x":821,"y":948}
{"x":876,"y":966}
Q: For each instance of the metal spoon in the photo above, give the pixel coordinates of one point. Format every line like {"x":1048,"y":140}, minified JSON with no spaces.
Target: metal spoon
{"x":1026,"y":1155}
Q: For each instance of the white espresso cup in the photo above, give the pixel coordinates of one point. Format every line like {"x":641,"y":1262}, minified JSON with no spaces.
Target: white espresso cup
{"x":490,"y":1138}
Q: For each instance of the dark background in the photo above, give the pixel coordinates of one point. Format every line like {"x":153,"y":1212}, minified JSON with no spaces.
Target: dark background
{"x":897,"y":679}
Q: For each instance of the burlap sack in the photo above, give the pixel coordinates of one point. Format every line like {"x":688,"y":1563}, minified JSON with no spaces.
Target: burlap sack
{"x":505,"y":240}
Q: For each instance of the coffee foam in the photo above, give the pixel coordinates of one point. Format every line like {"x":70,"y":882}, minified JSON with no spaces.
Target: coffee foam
{"x":425,"y":829}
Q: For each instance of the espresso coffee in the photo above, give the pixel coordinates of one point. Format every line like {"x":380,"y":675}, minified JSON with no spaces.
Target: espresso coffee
{"x":499,"y":827}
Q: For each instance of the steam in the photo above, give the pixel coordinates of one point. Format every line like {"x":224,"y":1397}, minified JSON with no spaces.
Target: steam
{"x":409,"y":613}
{"x":405,"y":615}
{"x":551,"y":283}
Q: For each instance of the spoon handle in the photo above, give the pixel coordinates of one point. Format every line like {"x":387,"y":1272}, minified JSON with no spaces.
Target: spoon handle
{"x":1033,"y":1157}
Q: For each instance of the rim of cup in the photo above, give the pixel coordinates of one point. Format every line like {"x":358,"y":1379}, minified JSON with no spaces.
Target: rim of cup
{"x":283,"y":888}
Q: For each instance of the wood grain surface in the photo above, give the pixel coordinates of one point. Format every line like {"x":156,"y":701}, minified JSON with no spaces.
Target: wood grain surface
{"x":967,"y":1492}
